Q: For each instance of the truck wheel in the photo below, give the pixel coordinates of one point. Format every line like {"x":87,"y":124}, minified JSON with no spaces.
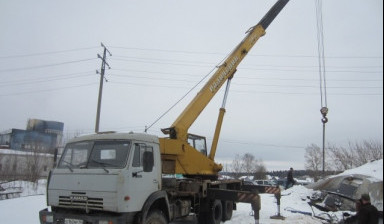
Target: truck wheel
{"x":216,"y":214}
{"x":227,"y":210}
{"x":156,"y":217}
{"x":202,"y":219}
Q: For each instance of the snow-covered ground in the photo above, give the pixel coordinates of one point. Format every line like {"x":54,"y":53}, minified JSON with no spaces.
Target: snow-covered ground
{"x":294,"y":199}
{"x":26,"y":208}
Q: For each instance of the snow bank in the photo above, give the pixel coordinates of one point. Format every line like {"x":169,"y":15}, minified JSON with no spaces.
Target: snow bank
{"x":373,"y":169}
{"x":24,"y":153}
{"x":27,"y":188}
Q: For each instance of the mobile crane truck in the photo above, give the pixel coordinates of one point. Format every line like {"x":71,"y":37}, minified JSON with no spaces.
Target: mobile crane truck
{"x":128,"y":178}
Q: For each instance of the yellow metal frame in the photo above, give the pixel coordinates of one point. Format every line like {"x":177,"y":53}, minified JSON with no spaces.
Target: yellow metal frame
{"x":178,"y":156}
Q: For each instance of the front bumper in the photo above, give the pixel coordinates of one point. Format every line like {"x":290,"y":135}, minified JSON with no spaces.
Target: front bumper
{"x":49,"y":217}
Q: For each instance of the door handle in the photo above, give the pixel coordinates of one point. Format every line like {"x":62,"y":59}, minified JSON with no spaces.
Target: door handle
{"x":155,"y":181}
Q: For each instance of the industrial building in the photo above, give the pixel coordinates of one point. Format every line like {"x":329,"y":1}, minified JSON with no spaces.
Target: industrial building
{"x":39,"y":136}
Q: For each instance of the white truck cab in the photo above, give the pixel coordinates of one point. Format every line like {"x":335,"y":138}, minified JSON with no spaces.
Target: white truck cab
{"x":112,"y":172}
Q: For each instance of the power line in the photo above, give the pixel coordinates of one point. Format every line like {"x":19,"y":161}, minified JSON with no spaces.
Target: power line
{"x":166,"y":60}
{"x":164,"y":63}
{"x":45,"y":76}
{"x":296,"y":79}
{"x":254,"y":55}
{"x":250,"y":91}
{"x":45,"y":66}
{"x":261,"y":65}
{"x":328,"y":71}
{"x":308,"y":94}
{"x":152,"y":78}
{"x":235,"y":83}
{"x":238,"y":76}
{"x":45,"y":53}
{"x":138,"y":128}
{"x":250,"y":68}
{"x":86,"y":74}
{"x":40,"y":80}
{"x":153,"y":72}
{"x":47,"y":90}
{"x":262,"y":144}
{"x":308,"y":86}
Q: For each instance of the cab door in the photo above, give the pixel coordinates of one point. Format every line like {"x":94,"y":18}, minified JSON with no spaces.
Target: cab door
{"x":142,"y":182}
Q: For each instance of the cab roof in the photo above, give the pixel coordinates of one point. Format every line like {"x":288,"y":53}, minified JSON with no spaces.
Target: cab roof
{"x":117,"y":136}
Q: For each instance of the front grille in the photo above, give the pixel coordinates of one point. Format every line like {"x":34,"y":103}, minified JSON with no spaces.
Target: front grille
{"x":81,"y":201}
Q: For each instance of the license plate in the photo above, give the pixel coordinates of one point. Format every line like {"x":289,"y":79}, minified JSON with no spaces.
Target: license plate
{"x":73,"y":221}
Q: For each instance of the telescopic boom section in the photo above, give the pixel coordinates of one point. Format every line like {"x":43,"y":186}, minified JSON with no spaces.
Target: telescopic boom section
{"x":179,"y":129}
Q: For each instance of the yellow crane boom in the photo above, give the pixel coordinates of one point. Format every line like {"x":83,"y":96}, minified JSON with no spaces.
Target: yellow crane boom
{"x":178,"y":155}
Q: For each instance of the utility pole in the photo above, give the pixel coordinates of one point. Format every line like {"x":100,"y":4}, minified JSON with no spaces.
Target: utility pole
{"x":102,"y":72}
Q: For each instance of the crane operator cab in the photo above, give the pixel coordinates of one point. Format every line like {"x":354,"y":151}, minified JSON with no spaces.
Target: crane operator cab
{"x":199,"y":143}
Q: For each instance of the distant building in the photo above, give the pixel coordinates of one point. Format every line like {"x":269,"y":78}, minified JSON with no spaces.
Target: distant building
{"x":39,"y":136}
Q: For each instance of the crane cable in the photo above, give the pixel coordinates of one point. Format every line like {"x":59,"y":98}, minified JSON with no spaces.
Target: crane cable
{"x":321,"y":60}
{"x":177,"y":102}
{"x":189,"y":91}
{"x":322,"y":70}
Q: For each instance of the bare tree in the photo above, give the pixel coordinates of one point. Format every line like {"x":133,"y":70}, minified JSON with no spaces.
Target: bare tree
{"x":249,"y":165}
{"x":248,"y":161}
{"x":34,"y":166}
{"x":237,"y":167}
{"x":260,"y":172}
{"x":314,"y":160}
{"x":343,"y":158}
{"x":9,"y":171}
{"x":366,"y":151}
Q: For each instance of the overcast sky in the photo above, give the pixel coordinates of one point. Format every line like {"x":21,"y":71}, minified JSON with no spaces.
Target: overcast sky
{"x":162,"y":48}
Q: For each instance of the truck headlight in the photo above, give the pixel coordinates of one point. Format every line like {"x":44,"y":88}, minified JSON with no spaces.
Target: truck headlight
{"x":105,"y":222}
{"x":49,"y":218}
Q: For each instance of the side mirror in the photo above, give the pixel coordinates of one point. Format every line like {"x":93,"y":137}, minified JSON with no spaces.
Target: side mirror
{"x":148,"y":161}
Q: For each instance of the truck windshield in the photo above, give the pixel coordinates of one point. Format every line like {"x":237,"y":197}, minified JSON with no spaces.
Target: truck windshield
{"x":95,"y":154}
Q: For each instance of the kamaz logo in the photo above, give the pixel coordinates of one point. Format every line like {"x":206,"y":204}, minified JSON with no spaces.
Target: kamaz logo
{"x":78,"y":198}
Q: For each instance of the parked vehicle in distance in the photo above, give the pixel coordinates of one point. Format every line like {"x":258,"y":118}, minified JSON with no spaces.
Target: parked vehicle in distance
{"x":265,"y":182}
{"x":248,"y":183}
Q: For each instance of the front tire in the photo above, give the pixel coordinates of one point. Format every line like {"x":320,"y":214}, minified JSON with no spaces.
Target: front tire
{"x":156,"y":217}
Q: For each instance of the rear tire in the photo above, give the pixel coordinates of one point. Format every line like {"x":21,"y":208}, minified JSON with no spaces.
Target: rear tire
{"x":156,"y":217}
{"x":227,"y":210}
{"x":216,"y":213}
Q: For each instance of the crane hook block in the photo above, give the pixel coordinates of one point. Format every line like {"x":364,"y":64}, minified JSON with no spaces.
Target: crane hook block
{"x":324,"y":112}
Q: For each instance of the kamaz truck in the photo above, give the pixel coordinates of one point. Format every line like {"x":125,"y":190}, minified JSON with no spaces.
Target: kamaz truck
{"x":126,"y":178}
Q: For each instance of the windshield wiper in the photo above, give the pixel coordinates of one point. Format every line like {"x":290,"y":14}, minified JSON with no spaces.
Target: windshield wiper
{"x":101,"y":163}
{"x":68,"y":165}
